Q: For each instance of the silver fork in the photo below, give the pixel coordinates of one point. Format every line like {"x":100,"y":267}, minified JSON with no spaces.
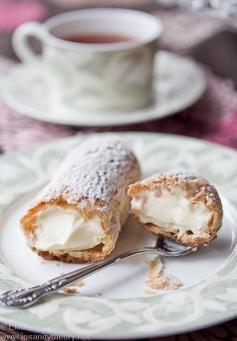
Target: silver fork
{"x":22,"y":298}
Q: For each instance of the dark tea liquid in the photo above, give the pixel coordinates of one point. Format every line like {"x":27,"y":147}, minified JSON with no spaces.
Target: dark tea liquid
{"x":97,"y":38}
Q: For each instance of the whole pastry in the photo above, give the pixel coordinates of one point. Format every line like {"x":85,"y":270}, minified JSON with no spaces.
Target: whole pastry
{"x":77,"y":217}
{"x":178,"y":205}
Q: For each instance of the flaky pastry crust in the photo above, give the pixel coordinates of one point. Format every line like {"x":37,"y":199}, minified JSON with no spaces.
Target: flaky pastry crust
{"x":197,"y":190}
{"x":93,"y":180}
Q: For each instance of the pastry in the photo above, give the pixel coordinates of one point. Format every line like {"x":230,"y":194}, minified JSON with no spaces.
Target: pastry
{"x":77,"y":217}
{"x":180,"y":206}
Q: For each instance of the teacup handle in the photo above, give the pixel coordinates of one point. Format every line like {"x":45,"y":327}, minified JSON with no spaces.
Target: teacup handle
{"x":20,"y":41}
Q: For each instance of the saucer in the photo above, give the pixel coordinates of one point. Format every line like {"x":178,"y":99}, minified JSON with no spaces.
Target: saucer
{"x":178,"y":83}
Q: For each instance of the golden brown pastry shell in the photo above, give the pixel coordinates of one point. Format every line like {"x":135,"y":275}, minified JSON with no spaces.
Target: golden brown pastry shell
{"x":28,"y":224}
{"x":198,"y":189}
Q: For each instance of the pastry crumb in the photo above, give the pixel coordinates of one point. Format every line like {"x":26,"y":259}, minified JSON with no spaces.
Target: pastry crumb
{"x":73,"y":288}
{"x":158,"y":280}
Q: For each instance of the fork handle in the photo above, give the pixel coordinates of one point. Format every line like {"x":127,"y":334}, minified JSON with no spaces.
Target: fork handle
{"x":64,"y":280}
{"x":22,"y":298}
{"x":27,"y":297}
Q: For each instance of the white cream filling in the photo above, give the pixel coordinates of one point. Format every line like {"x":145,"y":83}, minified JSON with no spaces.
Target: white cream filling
{"x":171,"y":210}
{"x":65,"y":229}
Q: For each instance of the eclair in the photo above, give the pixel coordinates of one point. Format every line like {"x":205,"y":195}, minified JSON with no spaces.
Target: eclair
{"x":178,"y":205}
{"x":77,"y":217}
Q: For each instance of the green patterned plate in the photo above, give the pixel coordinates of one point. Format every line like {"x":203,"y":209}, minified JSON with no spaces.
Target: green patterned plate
{"x":112,"y":303}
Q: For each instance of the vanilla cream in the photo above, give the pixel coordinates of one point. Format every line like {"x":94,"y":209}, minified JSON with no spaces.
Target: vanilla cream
{"x":65,"y":229}
{"x":171,"y":210}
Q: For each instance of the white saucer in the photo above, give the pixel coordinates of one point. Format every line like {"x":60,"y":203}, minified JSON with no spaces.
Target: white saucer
{"x":178,"y":84}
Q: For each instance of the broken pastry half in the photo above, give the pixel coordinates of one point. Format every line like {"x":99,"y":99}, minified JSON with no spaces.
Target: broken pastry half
{"x":77,"y":217}
{"x":180,"y":206}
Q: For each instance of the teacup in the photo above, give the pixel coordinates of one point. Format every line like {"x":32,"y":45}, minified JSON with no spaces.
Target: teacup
{"x":95,"y":76}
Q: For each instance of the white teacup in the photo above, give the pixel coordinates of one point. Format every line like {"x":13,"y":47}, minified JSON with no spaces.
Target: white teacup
{"x":116,"y":75}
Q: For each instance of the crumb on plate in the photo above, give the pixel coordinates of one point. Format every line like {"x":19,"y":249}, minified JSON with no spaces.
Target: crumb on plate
{"x":158,"y":280}
{"x":73,"y":288}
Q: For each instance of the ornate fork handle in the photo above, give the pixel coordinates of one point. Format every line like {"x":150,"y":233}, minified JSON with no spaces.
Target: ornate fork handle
{"x":27,"y":297}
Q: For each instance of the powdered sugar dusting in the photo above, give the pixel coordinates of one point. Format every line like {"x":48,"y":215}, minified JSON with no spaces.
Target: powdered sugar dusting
{"x":182,"y":175}
{"x":96,"y":170}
